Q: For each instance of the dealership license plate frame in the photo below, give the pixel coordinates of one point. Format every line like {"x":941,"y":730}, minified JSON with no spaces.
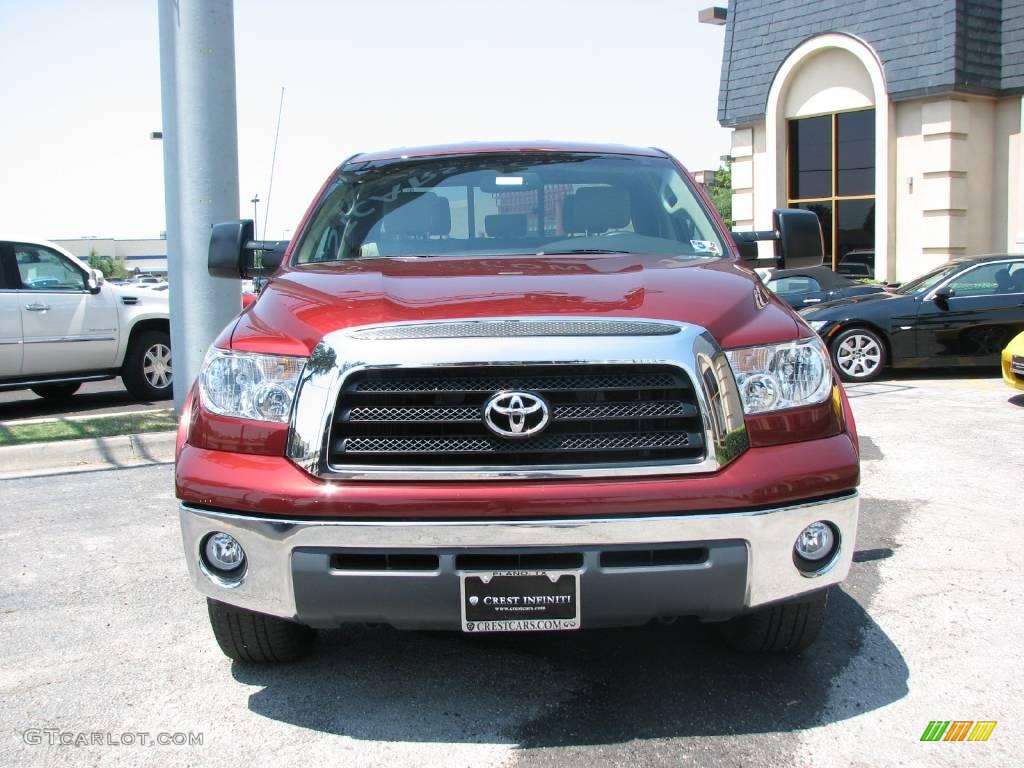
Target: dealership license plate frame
{"x":537,"y":622}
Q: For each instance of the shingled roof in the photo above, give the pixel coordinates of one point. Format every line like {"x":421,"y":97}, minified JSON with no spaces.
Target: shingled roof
{"x":926,"y":46}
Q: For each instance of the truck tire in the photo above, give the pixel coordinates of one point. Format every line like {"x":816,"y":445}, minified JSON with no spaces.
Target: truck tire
{"x":858,"y":354}
{"x":57,"y":391}
{"x":147,"y":372}
{"x":787,"y":627}
{"x":255,"y":637}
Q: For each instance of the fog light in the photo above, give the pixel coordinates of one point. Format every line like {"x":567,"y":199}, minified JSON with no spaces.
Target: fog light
{"x":815,"y":542}
{"x":224,"y":553}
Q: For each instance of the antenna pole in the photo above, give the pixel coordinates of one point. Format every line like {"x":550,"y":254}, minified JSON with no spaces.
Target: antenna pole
{"x":273,"y":162}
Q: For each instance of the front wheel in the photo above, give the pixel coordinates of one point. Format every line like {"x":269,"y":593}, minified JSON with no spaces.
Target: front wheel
{"x":858,"y":355}
{"x":787,"y":627}
{"x":255,"y":637}
{"x":147,"y":372}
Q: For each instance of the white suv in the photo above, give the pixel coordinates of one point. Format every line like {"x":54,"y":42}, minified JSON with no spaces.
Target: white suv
{"x":61,"y":325}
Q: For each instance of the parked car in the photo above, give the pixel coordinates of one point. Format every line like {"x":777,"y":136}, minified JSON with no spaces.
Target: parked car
{"x":61,"y":325}
{"x":859,"y":263}
{"x":1013,"y":362}
{"x":444,"y":413}
{"x":960,"y":314}
{"x":813,"y":285}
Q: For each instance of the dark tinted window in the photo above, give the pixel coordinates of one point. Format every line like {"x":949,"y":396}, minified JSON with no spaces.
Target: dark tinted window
{"x":810,"y":157}
{"x":855,"y":227}
{"x":8,"y":268}
{"x":855,"y":150}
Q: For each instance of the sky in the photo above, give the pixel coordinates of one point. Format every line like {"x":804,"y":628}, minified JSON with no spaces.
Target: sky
{"x":80,"y":94}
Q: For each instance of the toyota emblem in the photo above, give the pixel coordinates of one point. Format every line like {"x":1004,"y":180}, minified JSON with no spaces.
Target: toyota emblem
{"x":516,"y":414}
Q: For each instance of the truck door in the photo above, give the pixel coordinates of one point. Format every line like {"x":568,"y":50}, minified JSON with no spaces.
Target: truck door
{"x":66,"y":328}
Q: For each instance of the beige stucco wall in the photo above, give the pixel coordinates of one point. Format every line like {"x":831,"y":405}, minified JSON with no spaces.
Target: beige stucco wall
{"x":1008,"y":222}
{"x":958,"y":180}
{"x":907,"y":223}
{"x":829,"y":80}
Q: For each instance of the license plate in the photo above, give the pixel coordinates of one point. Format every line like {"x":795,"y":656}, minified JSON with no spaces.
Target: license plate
{"x":520,"y":601}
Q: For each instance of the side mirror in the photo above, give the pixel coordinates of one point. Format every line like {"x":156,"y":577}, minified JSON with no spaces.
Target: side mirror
{"x":800,"y":244}
{"x":94,"y":280}
{"x":945,"y":293}
{"x":797,"y":236}
{"x":235,"y":254}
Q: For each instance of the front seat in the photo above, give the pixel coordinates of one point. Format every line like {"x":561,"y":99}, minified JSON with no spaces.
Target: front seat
{"x":1017,"y":281}
{"x":596,"y":210}
{"x":1003,"y":282}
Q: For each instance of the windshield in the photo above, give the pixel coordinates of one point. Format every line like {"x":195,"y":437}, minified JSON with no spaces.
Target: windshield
{"x":491,"y":204}
{"x":927,"y":281}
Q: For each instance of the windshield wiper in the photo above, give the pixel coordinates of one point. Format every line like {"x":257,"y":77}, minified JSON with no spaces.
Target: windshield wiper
{"x":575,"y":251}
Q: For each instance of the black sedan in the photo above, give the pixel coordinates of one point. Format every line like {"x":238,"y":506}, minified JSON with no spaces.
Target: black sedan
{"x":813,"y":285}
{"x":960,"y":314}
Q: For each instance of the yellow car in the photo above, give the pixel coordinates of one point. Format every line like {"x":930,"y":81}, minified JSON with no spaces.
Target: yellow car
{"x":1013,"y":362}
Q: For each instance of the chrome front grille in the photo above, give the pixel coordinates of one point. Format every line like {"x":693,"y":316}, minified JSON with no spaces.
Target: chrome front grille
{"x":622,"y":397}
{"x":600,"y":414}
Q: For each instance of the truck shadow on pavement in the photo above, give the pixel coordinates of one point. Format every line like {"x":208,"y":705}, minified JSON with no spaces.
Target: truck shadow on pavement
{"x":592,"y":687}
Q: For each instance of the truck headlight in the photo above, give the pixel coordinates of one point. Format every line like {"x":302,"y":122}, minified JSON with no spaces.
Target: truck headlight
{"x":247,"y":385}
{"x":778,"y":376}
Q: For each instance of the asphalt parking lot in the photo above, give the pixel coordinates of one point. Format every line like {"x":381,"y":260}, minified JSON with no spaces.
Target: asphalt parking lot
{"x":105,"y":635}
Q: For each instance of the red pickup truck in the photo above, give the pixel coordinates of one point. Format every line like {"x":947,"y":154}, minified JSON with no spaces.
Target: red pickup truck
{"x":515,"y":388}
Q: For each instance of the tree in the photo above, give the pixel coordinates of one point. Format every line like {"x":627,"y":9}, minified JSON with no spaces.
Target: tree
{"x":108,"y":266}
{"x":721,"y":193}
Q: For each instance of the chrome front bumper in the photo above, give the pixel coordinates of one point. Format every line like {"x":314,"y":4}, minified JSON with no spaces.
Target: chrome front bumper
{"x":280,"y":554}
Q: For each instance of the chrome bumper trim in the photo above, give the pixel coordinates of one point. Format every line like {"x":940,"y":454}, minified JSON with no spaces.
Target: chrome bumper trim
{"x":268,"y":586}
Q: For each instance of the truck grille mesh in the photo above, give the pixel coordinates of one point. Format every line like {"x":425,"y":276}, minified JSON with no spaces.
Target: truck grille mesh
{"x":600,"y":414}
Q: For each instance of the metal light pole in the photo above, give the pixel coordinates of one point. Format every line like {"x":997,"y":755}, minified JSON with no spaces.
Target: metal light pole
{"x":197,"y":83}
{"x":255,"y":220}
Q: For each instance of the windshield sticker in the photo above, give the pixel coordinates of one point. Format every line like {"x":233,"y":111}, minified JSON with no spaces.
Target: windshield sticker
{"x":705,"y":246}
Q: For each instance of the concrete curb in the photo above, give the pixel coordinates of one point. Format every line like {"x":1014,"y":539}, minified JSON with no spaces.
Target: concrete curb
{"x":90,"y":454}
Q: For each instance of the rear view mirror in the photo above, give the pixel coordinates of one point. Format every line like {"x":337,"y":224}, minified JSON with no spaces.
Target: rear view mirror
{"x":511,"y":181}
{"x":235,"y":254}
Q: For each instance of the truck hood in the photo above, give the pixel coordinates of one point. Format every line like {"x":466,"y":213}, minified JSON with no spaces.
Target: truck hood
{"x":300,"y":305}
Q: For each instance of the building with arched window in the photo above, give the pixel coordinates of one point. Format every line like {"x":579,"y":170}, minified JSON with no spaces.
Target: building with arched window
{"x":899,"y":124}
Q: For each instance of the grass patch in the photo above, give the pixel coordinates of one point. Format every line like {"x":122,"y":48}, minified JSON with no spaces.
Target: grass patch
{"x":77,"y":429}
